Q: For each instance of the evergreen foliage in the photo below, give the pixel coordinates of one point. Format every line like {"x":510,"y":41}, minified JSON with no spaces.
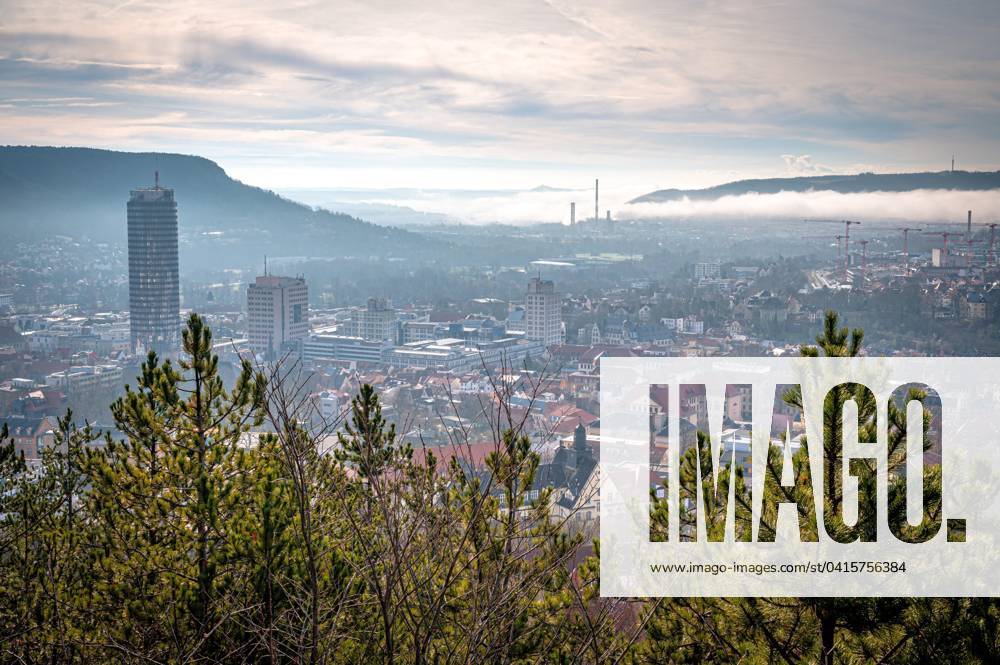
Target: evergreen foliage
{"x":191,"y":540}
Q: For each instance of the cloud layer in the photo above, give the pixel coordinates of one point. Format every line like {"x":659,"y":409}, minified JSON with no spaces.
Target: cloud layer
{"x":532,"y":207}
{"x":362,"y":93}
{"x":922,"y":205}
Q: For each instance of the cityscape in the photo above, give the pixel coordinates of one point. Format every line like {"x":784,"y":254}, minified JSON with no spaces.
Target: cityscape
{"x":932,"y":289}
{"x":303,"y":313}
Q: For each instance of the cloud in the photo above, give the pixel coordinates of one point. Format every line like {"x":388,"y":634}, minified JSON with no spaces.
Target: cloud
{"x":917,"y":206}
{"x":804,"y":165}
{"x":661,"y":90}
{"x":209,"y":52}
{"x":532,"y":207}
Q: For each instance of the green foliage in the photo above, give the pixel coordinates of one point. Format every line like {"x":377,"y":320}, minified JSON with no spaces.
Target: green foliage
{"x":824,"y":630}
{"x":191,"y":541}
{"x":369,"y":444}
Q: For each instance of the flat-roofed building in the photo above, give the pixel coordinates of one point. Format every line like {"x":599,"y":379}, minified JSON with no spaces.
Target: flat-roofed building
{"x":344,"y":348}
{"x":277,"y":313}
{"x":543,"y":309}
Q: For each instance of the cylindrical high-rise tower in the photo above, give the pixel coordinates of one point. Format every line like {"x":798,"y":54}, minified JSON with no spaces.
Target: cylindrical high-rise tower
{"x":153,"y":282}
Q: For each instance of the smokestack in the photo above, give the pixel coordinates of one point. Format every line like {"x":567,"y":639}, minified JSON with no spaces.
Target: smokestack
{"x":597,"y":207}
{"x":968,"y":225}
{"x":609,"y":216}
{"x":572,"y":213}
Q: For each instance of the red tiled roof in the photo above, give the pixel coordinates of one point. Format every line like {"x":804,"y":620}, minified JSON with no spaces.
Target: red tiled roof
{"x":474,"y":454}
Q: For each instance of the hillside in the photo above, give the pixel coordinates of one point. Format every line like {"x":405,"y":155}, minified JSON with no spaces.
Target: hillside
{"x":863,"y":182}
{"x":82,"y":191}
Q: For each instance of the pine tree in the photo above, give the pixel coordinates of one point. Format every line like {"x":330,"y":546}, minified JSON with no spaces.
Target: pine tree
{"x":267,"y":555}
{"x":44,"y":583}
{"x":166,"y":498}
{"x":369,"y":444}
{"x":826,"y":629}
{"x":867,"y":628}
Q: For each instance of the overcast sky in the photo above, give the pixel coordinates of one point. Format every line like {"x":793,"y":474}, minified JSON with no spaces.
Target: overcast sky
{"x":509,"y":94}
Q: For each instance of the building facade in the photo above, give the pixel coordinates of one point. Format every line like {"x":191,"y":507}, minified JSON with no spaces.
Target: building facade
{"x":82,"y":379}
{"x":707,"y":270}
{"x":153,"y":283}
{"x":345,"y":348}
{"x":377,"y":321}
{"x":542,"y":312}
{"x":277,"y":312}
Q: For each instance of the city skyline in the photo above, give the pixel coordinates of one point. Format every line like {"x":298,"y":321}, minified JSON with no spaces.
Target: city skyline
{"x":362,"y":95}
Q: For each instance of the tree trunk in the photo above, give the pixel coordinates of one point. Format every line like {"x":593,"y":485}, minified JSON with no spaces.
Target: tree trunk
{"x":827,"y":627}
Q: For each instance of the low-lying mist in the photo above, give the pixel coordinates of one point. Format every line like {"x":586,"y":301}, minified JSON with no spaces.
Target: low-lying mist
{"x":533,"y":207}
{"x":921,"y":205}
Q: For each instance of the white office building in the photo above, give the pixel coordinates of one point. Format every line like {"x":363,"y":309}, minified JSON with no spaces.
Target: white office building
{"x":277,"y":312}
{"x":344,"y":348}
{"x":542,"y":312}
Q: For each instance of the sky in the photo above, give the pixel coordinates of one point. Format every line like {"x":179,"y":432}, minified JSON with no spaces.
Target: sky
{"x":514,"y":94}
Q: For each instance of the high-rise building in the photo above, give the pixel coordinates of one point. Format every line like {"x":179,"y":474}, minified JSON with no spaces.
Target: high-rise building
{"x":277,"y":312}
{"x":153,"y":283}
{"x":542,"y":312}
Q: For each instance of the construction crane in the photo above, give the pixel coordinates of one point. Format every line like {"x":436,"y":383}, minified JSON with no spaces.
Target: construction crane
{"x":990,"y":255}
{"x":847,"y":236}
{"x":945,"y":235}
{"x":906,"y":243}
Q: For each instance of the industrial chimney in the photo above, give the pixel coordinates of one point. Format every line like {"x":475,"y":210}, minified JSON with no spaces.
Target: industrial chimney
{"x":597,"y":207}
{"x":572,"y":213}
{"x":968,"y":225}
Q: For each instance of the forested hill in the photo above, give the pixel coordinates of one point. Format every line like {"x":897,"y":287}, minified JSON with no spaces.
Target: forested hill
{"x":83,"y":191}
{"x":863,"y":182}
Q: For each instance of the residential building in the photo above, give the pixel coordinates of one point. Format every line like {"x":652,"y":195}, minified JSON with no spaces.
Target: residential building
{"x":30,"y":435}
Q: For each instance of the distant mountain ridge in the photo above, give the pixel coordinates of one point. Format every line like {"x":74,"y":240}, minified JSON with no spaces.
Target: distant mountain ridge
{"x":862,"y":182}
{"x":83,"y":191}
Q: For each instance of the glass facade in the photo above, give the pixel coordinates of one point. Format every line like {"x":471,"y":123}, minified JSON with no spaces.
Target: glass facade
{"x":153,"y":283}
